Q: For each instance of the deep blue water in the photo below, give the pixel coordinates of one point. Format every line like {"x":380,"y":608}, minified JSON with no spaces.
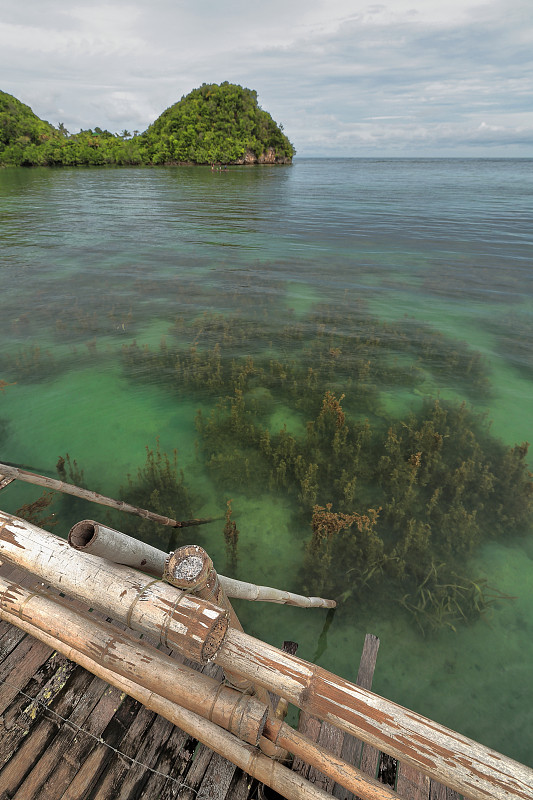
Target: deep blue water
{"x":93,"y":259}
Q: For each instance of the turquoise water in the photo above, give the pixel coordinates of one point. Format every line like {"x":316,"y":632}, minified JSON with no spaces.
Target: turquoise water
{"x":92,"y":260}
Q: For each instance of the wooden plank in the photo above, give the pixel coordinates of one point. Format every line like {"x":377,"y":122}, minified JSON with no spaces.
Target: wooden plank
{"x":439,"y":792}
{"x":370,"y":760}
{"x":330,"y":738}
{"x":411,"y":784}
{"x":242,"y":786}
{"x":95,"y":756}
{"x":352,"y":748}
{"x":23,"y":668}
{"x":175,"y":758}
{"x":33,"y":745}
{"x":147,"y":754}
{"x":56,"y":767}
{"x":21,"y":716}
{"x":217,"y":779}
{"x":119,"y":766}
{"x":309,"y":726}
{"x":195,"y":775}
{"x":11,"y":638}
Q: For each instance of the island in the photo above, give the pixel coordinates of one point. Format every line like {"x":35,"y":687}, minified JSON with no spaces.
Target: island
{"x":217,"y":124}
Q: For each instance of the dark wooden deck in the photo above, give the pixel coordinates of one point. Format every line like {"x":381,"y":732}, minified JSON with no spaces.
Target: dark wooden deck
{"x":67,"y":735}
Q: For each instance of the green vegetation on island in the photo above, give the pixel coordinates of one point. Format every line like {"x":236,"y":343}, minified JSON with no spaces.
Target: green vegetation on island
{"x":221,"y":124}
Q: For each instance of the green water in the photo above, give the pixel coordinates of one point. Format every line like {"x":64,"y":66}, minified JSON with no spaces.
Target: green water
{"x":92,"y":260}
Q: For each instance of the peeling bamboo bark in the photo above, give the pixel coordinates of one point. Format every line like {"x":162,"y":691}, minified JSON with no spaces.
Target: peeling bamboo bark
{"x":465,"y":766}
{"x":192,"y":625}
{"x":98,"y":540}
{"x":327,"y":763}
{"x":5,"y":481}
{"x":473,"y":770}
{"x":190,"y":569}
{"x":94,"y":497}
{"x":248,"y":758}
{"x":91,"y":644}
{"x":136,"y":660}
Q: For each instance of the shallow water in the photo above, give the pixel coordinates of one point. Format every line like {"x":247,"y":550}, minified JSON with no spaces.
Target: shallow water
{"x":92,"y":260}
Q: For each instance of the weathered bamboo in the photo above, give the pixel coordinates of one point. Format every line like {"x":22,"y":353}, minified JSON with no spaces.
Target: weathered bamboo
{"x":99,"y":540}
{"x":190,"y":569}
{"x":90,"y":644}
{"x":251,"y":591}
{"x":473,"y":770}
{"x":136,"y":660}
{"x":4,"y":481}
{"x":327,"y":763}
{"x":95,"y":539}
{"x":248,"y":758}
{"x":466,"y":766}
{"x":192,"y":625}
{"x":94,"y":497}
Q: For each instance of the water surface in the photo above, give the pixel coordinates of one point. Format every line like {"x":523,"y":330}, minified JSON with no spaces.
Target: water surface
{"x":95,"y":259}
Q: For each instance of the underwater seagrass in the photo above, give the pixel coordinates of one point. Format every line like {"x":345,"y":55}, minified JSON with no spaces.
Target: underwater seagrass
{"x":431,"y":484}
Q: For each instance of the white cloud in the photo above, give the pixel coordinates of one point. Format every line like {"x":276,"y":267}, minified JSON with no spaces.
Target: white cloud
{"x":343,"y":77}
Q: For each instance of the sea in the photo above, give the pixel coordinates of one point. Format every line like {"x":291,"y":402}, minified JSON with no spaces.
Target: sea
{"x":96,"y":261}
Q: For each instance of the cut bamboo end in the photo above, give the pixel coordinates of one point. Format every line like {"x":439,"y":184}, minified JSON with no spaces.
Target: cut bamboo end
{"x":188,"y":568}
{"x":83,"y":534}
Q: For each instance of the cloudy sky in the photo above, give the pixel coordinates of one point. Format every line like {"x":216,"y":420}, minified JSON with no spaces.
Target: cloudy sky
{"x":346,"y":78}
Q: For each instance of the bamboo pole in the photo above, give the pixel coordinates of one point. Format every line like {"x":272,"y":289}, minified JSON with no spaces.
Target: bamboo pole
{"x":136,"y":660}
{"x":279,"y":778}
{"x":94,"y":497}
{"x":40,"y":622}
{"x":95,"y":539}
{"x":92,"y":537}
{"x":192,"y":625}
{"x":251,"y":591}
{"x":190,"y":569}
{"x":473,"y":770}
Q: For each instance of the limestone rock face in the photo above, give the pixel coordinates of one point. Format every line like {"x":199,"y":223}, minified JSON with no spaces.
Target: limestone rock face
{"x":268,"y":157}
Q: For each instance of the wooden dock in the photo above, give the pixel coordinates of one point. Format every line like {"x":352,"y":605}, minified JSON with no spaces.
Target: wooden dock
{"x":64,"y":733}
{"x":67,"y":735}
{"x":70,"y":733}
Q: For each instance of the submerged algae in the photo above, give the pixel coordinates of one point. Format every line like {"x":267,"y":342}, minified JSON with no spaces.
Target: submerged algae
{"x":431,"y":486}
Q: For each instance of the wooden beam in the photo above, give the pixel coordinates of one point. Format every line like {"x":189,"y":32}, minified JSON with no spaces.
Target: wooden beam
{"x":94,"y":497}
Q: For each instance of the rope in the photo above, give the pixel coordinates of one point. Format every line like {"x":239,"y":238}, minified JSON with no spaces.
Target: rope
{"x":138,"y":598}
{"x":99,"y":740}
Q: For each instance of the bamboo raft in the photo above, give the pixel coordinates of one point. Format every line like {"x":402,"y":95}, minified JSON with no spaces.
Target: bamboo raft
{"x":114,"y":684}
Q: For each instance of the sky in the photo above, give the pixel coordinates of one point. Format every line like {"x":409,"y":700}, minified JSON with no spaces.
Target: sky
{"x":402,"y":78}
